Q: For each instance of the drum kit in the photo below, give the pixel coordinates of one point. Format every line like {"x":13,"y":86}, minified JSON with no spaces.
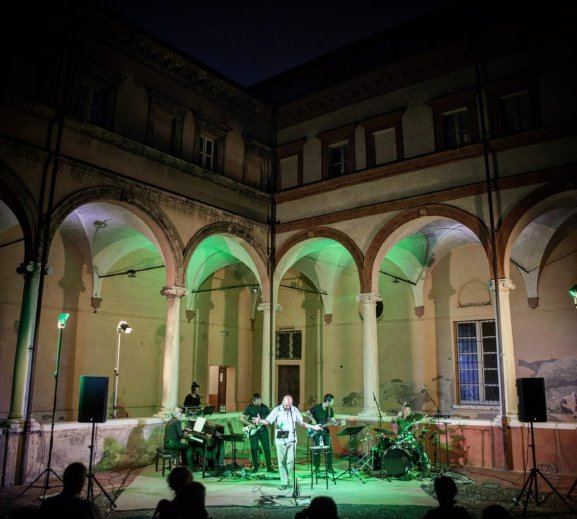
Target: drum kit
{"x":399,"y":456}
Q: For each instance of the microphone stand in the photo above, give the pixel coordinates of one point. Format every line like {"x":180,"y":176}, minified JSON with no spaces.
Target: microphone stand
{"x":438,"y":417}
{"x":296,"y":491}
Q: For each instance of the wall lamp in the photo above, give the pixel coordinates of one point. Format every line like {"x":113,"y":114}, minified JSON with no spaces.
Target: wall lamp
{"x":573,"y":294}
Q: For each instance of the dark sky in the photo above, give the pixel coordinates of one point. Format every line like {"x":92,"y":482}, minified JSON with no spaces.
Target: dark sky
{"x":251,"y":40}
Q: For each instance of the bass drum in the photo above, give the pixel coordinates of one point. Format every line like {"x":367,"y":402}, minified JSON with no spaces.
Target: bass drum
{"x":396,"y":461}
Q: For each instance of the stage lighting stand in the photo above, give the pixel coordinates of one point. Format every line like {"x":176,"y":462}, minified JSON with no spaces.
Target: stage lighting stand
{"x":48,"y":470}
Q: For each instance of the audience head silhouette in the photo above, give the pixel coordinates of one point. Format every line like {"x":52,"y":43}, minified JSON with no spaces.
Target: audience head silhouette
{"x":446,"y":490}
{"x":178,"y":477}
{"x":190,"y":500}
{"x":322,"y":507}
{"x":74,"y":478}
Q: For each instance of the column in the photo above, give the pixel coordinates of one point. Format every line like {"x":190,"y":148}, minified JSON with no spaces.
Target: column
{"x":507,"y":348}
{"x":171,"y":347}
{"x":266,"y":383}
{"x":25,"y":343}
{"x":370,"y":354}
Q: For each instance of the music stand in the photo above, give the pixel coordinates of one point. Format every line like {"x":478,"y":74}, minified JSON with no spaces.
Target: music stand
{"x":351,"y":432}
{"x":208,"y":410}
{"x":233,"y":439}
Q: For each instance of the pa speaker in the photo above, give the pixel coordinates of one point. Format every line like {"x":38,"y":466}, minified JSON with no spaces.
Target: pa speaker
{"x":532,"y":406}
{"x":93,"y":399}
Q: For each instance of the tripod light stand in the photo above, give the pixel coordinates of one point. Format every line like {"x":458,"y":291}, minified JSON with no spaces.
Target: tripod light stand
{"x":123,"y":327}
{"x":48,"y":470}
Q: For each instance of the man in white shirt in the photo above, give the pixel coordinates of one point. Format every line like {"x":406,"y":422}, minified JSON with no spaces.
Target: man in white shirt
{"x":285,"y":417}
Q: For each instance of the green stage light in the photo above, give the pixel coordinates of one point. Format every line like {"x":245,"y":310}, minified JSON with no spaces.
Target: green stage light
{"x":573,"y":291}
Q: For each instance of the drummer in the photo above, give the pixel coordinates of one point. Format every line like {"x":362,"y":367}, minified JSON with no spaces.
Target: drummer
{"x":403,"y":422}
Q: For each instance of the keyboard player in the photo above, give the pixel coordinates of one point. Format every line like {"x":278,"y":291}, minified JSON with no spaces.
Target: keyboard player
{"x":207,"y":446}
{"x":173,"y":436}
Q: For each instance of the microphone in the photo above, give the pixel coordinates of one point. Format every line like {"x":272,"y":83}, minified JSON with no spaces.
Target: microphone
{"x":423,"y":388}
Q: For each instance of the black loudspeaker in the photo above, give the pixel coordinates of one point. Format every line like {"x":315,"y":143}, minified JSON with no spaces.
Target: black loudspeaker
{"x":93,"y":399}
{"x":532,"y":406}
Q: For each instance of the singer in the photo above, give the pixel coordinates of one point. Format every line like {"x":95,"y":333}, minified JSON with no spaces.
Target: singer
{"x":285,"y":417}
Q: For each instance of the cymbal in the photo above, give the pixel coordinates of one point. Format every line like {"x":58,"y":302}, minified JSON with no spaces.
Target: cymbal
{"x":386,"y":432}
{"x":415,"y":417}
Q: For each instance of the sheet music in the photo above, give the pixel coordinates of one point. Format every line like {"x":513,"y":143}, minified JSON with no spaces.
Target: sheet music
{"x":199,"y":424}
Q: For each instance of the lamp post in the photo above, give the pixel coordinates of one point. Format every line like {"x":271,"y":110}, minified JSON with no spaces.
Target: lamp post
{"x":123,"y":327}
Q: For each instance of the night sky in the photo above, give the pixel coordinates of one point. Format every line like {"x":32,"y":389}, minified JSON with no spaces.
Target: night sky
{"x":251,"y":40}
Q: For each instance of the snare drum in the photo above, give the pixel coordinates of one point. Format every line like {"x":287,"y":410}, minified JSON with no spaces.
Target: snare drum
{"x":397,"y":461}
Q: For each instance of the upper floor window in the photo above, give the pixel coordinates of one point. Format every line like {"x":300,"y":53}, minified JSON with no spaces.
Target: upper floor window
{"x":91,"y":102}
{"x":384,"y":139}
{"x":455,"y":120}
{"x":513,"y":105}
{"x":338,"y":159}
{"x":289,"y":164}
{"x":338,"y":152}
{"x":209,"y":138}
{"x":456,"y":128}
{"x":94,"y":94}
{"x":207,"y":152}
{"x":165,"y":123}
{"x":476,"y":362}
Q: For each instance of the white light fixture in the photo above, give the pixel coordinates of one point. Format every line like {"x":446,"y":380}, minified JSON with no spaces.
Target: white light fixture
{"x":122,"y":327}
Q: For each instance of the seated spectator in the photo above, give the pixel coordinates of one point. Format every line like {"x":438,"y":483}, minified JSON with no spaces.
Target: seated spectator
{"x":190,"y":501}
{"x":495,"y":512}
{"x":321,"y":507}
{"x":178,"y":477}
{"x":446,"y":490}
{"x":69,"y":504}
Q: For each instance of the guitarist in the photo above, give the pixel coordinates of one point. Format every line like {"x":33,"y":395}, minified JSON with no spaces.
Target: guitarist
{"x":257,"y":433}
{"x":324,"y":415}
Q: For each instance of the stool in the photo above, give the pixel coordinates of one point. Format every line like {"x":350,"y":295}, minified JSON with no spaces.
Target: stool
{"x":322,"y":450}
{"x":166,"y":457}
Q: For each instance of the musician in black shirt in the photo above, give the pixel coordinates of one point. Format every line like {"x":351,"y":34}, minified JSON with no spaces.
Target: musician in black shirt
{"x":192,"y":400}
{"x":322,"y":414}
{"x":257,"y":433}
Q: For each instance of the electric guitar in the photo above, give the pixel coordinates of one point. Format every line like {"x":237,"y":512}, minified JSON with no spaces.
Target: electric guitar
{"x":311,"y":433}
{"x":251,"y":430}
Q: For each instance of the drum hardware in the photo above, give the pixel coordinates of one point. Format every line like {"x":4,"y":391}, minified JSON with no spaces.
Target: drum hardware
{"x":366,"y":462}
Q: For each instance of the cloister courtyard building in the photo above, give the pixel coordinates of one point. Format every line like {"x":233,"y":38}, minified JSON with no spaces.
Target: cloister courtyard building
{"x":393,"y":222}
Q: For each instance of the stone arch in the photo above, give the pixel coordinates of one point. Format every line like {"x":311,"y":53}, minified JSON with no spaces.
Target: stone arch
{"x":535,"y":203}
{"x":390,"y":232}
{"x":18,"y":198}
{"x":323,"y":232}
{"x":246,"y":237}
{"x":160,"y":226}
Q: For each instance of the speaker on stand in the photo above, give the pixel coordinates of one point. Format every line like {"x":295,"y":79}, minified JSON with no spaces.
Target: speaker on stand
{"x":92,"y":409}
{"x":533,"y":408}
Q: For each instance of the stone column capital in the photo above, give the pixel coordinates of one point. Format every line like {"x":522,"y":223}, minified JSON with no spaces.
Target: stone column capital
{"x":504,"y":284}
{"x":369,"y":298}
{"x":174,"y":291}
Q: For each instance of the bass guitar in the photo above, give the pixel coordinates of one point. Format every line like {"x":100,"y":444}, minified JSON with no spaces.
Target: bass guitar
{"x":338,"y":423}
